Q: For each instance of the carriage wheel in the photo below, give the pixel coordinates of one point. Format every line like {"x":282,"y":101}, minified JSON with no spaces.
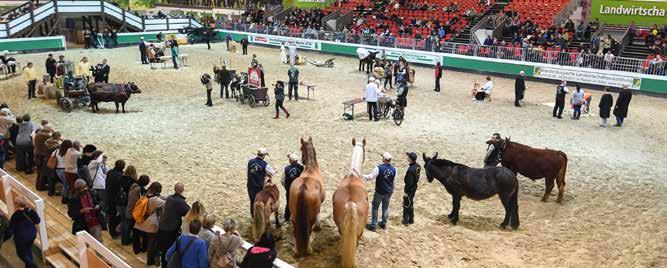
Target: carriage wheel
{"x":385,"y":111}
{"x":66,"y":104}
{"x":252,"y":101}
{"x":398,"y":117}
{"x":267,"y":101}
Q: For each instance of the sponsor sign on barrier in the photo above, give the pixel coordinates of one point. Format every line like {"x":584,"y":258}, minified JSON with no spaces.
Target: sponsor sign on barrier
{"x":588,"y":77}
{"x":415,"y":57}
{"x":623,"y":12}
{"x":279,"y":40}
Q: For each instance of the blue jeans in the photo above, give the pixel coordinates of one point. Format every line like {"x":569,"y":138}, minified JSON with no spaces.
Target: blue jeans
{"x":61,"y":175}
{"x":619,"y":120}
{"x":577,"y":111}
{"x":173,"y":59}
{"x":377,"y":199}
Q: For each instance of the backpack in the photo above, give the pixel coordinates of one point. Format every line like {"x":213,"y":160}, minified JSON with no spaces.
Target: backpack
{"x":226,"y":260}
{"x":175,"y":259}
{"x":139,"y":210}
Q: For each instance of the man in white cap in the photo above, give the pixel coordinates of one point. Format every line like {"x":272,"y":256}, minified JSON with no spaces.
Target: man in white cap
{"x":519,"y":88}
{"x":371,"y":98}
{"x":142,"y":51}
{"x":385,"y":178}
{"x":258,"y":170}
{"x":292,"y":171}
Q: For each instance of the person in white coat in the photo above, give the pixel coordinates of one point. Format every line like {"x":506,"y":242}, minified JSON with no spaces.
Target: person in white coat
{"x":283,"y":54}
{"x":292,"y":54}
{"x":371,"y":95}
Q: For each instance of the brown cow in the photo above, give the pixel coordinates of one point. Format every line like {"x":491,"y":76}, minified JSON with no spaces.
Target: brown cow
{"x":116,"y":93}
{"x":535,"y":164}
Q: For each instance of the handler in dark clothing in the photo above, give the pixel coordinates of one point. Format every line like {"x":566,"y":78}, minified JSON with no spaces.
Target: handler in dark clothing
{"x":114,"y":196}
{"x":244,"y":45}
{"x":402,"y":99}
{"x":519,"y":89}
{"x":223,"y":77}
{"x":258,"y":169}
{"x":170,"y":223}
{"x":561,"y":91}
{"x":411,"y":179}
{"x":622,"y":103}
{"x":292,"y":171}
{"x":293,"y":74}
{"x":492,"y":157}
{"x":606,"y":101}
{"x":142,"y":51}
{"x":22,"y":227}
{"x":103,"y":71}
{"x":51,"y":67}
{"x":438,"y":76}
{"x":87,"y":39}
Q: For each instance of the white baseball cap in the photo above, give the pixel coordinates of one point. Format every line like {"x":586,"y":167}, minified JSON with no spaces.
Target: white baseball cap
{"x":372,"y":79}
{"x":262,"y":151}
{"x":386,"y":156}
{"x":293,"y":157}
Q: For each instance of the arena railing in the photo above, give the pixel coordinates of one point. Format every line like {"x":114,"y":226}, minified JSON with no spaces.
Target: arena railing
{"x":525,"y":54}
{"x":11,"y":188}
{"x":94,"y":254}
{"x":246,"y":246}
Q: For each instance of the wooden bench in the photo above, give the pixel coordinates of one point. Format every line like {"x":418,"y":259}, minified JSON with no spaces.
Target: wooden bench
{"x":183,"y":60}
{"x":308,"y":89}
{"x":349,"y":105}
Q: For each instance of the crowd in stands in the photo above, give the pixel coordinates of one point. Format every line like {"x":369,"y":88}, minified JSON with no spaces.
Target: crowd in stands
{"x":655,"y":39}
{"x":15,"y":13}
{"x":130,"y":207}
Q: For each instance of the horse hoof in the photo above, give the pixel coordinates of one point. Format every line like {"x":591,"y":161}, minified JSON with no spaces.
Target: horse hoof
{"x":543,"y":199}
{"x":502,"y":226}
{"x":515,"y":227}
{"x":559,"y":200}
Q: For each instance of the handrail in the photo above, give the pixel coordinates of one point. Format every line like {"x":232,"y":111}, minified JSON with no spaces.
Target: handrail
{"x":473,"y":36}
{"x":500,"y":26}
{"x":84,"y":240}
{"x":9,"y":183}
{"x":625,"y":39}
{"x":332,"y":16}
{"x":564,"y":14}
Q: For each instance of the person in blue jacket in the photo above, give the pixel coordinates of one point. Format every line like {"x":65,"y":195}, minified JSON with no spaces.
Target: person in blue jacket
{"x":22,"y":227}
{"x":192,"y":249}
{"x":385,"y":178}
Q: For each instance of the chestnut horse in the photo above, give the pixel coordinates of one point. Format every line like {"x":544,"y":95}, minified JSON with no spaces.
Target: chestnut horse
{"x":535,"y":164}
{"x":350,"y":206}
{"x":306,"y":197}
{"x":266,"y":202}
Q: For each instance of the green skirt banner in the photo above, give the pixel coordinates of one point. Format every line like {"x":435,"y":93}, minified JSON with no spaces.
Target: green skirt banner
{"x":623,"y":12}
{"x":307,"y":3}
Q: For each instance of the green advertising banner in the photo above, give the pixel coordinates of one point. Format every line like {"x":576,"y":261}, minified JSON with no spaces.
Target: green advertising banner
{"x":623,"y":12}
{"x":307,"y":3}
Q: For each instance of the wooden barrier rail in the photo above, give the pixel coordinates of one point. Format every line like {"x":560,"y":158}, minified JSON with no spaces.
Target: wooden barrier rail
{"x":90,"y":251}
{"x":278,"y":263}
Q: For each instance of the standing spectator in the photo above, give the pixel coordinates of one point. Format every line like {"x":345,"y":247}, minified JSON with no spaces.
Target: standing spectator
{"x":206,"y":233}
{"x":224,"y":78}
{"x":606,"y":101}
{"x":114,"y":38}
{"x":411,"y":179}
{"x":438,"y":75}
{"x":129,"y":178}
{"x":385,"y":175}
{"x":158,"y":36}
{"x":227,"y":40}
{"x":60,"y":169}
{"x":292,"y":172}
{"x":279,"y":92}
{"x":577,"y":101}
{"x":258,"y":170}
{"x":114,"y":196}
{"x":191,"y":249}
{"x":293,"y":74}
{"x":225,"y":245}
{"x":83,"y":68}
{"x":561,"y":91}
{"x":244,"y":45}
{"x":622,"y":104}
{"x":388,"y":75}
{"x":206,"y":80}
{"x":98,"y":170}
{"x":22,"y":227}
{"x":196,"y":212}
{"x":52,"y":145}
{"x":371,"y":98}
{"x":262,"y":254}
{"x":154,"y":211}
{"x":83,"y":211}
{"x":51,"y":67}
{"x":71,"y":164}
{"x":137,"y":190}
{"x":608,"y":59}
{"x":169,"y":227}
{"x":41,"y":154}
{"x":6,"y":121}
{"x":173,"y":44}
{"x":24,"y":146}
{"x":104,"y":71}
{"x":84,"y":160}
{"x":142,"y":51}
{"x":106,"y":36}
{"x":87,"y":40}
{"x":30,"y":76}
{"x":519,"y":89}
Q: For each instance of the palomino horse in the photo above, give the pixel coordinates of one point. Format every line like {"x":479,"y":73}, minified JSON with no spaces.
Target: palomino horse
{"x":306,"y":198}
{"x":535,"y":164}
{"x":476,"y":184}
{"x":266,"y":202}
{"x":350,"y":206}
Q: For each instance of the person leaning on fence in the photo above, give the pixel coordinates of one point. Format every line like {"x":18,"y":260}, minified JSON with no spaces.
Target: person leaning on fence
{"x":137,"y":190}
{"x":169,"y":227}
{"x":83,"y":211}
{"x":222,"y":251}
{"x":189,"y":250}
{"x":149,"y":226}
{"x":22,"y":226}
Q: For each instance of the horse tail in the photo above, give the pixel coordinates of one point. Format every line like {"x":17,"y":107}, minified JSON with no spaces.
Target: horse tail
{"x":514,"y":206}
{"x":301,"y":228}
{"x":349,"y":235}
{"x":563,"y":169}
{"x":258,"y":224}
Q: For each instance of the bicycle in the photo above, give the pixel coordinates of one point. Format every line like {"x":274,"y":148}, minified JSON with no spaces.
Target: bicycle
{"x":396,"y":111}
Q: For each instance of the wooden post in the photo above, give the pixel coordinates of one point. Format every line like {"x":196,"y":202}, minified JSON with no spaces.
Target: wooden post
{"x":104,"y":17}
{"x":167,"y":23}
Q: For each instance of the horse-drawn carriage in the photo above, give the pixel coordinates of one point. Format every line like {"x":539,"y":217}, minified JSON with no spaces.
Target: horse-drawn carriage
{"x":75,"y":94}
{"x":246,"y":87}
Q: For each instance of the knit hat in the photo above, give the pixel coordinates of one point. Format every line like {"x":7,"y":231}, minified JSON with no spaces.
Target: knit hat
{"x":79,"y":184}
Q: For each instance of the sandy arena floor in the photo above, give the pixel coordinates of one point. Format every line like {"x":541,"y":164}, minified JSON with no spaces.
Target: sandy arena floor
{"x":613,"y":214}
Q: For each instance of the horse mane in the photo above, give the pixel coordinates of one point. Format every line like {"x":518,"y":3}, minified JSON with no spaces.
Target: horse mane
{"x":308,"y":155}
{"x":447,"y":163}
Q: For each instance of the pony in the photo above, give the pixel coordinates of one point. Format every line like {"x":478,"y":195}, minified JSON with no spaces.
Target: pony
{"x":306,"y":198}
{"x":535,"y":164}
{"x":266,"y":202}
{"x":117,"y":93}
{"x":350,"y":206}
{"x":367,"y":58}
{"x":476,"y":184}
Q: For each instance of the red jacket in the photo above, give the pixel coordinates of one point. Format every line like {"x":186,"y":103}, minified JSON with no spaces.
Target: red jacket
{"x":438,"y":71}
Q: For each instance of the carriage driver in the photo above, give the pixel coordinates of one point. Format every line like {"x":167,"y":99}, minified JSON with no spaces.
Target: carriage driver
{"x":492,"y":157}
{"x":258,"y":170}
